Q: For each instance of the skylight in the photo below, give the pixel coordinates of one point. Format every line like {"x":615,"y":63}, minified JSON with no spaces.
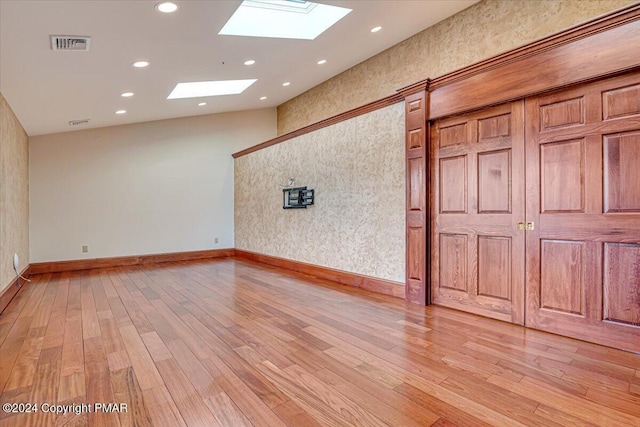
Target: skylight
{"x":283,"y":19}
{"x":212,"y":88}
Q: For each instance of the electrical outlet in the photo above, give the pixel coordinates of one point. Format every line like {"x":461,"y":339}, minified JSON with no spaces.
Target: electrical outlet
{"x":16,"y":263}
{"x":85,"y":248}
{"x":215,"y":240}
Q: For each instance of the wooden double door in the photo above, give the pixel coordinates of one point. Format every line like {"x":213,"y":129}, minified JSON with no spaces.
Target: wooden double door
{"x":536,"y":212}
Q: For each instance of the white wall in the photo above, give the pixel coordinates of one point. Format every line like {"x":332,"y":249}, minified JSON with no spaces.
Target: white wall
{"x":146,"y":188}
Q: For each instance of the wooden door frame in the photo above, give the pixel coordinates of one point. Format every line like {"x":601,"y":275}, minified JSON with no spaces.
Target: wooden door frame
{"x":567,"y":58}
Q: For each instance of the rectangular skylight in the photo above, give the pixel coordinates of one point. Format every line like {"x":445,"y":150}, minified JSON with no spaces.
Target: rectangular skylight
{"x":283,"y":19}
{"x":212,"y":88}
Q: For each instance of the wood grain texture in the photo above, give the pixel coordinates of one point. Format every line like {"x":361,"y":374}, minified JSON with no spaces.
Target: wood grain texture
{"x":566,"y":57}
{"x":621,"y":286}
{"x":87,"y":264}
{"x":562,"y":285}
{"x":582,"y":194}
{"x":562,"y":169}
{"x":477,"y":196}
{"x":417,"y":166}
{"x":622,"y":177}
{"x":234,"y":343}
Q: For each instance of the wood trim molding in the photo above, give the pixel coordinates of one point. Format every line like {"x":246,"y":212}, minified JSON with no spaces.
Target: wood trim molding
{"x":364,"y":109}
{"x":417,"y":203}
{"x":571,"y":34}
{"x":12,"y":290}
{"x":421,"y":86}
{"x":382,"y":286}
{"x":87,"y":264}
{"x":597,"y":49}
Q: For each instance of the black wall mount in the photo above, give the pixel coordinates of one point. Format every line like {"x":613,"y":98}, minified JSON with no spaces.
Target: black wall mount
{"x":296,"y":198}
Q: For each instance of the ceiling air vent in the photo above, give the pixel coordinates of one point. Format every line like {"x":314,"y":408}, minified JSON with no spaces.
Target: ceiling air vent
{"x":70,"y":42}
{"x":79,"y":122}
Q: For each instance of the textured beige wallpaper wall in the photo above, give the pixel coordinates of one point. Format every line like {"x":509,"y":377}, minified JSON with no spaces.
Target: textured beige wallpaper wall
{"x":485,"y":29}
{"x":14,"y":193}
{"x":357,"y":224}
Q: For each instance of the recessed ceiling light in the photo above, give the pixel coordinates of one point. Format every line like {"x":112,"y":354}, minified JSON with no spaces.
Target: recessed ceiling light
{"x":376,"y":29}
{"x":296,"y":19}
{"x":213,"y":88}
{"x":141,"y":64}
{"x":202,"y":104}
{"x":250,"y":62}
{"x":166,"y":7}
{"x":262,"y":98}
{"x":127,"y":94}
{"x":121,"y":111}
{"x":286,"y":83}
{"x":322,"y":61}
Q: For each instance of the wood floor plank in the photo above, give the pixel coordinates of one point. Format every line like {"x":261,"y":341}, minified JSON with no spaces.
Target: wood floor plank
{"x":234,"y":343}
{"x":381,"y":405}
{"x":251,"y":405}
{"x":162,"y":408}
{"x":127,"y":390}
{"x":98,"y":383}
{"x":143,"y":365}
{"x":576,"y":406}
{"x":292,"y":414}
{"x":561,"y":417}
{"x":192,"y":407}
{"x":14,"y":309}
{"x":225,"y":411}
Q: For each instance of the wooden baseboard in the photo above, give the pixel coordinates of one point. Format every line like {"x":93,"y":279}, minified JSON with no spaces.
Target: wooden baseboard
{"x":382,"y":286}
{"x":12,"y":290}
{"x":88,"y":264}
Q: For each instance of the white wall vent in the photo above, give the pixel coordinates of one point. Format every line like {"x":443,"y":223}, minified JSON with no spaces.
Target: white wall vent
{"x":81,"y":43}
{"x":79,"y":122}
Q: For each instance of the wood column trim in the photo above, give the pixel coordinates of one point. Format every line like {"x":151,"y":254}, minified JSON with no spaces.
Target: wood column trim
{"x":12,"y":290}
{"x":374,"y":284}
{"x":88,"y":264}
{"x":416,"y":99}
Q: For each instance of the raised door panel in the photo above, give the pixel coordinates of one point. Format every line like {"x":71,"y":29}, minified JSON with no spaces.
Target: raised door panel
{"x":621,"y":102}
{"x":621,"y":172}
{"x":583,"y":196}
{"x":415,"y":176}
{"x":494,"y":182}
{"x":452,"y":134}
{"x":453,"y":184}
{"x":622,"y":283}
{"x":561,"y":114}
{"x":494,"y":127}
{"x":415,"y":138}
{"x":494,"y":267}
{"x":478,"y":189}
{"x":415,"y":252}
{"x":562,"y":176}
{"x":562,"y":276}
{"x":453,"y":261}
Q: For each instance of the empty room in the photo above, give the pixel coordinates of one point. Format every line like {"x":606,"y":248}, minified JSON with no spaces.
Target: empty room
{"x":327,"y":213}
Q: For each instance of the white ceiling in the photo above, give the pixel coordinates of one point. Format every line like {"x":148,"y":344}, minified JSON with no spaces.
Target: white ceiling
{"x":47,"y":89}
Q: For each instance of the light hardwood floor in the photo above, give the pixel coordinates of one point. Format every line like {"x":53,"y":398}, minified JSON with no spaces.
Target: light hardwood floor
{"x":232,"y":343}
